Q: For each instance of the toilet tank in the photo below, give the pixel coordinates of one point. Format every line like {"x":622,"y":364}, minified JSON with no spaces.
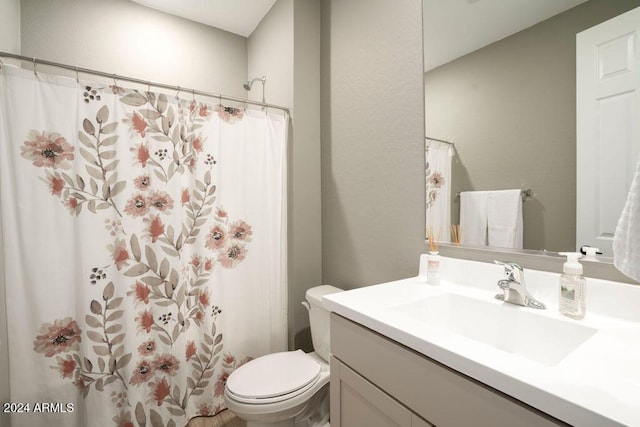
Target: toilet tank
{"x":319,"y":318}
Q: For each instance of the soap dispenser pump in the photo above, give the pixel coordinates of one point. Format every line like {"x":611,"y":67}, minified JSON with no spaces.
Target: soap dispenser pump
{"x":572,"y":287}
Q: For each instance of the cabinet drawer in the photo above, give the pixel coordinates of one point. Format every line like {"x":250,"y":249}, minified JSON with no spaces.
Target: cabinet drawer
{"x":435,"y":392}
{"x":355,"y":402}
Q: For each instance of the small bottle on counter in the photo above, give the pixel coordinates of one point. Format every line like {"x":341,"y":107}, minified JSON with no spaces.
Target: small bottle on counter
{"x":433,"y":268}
{"x":433,"y":259}
{"x":572,"y":287}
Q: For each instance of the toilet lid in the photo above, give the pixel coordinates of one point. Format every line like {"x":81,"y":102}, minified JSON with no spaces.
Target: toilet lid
{"x":273,"y":375}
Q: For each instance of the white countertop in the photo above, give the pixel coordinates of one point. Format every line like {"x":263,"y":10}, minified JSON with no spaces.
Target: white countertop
{"x":597,"y":384}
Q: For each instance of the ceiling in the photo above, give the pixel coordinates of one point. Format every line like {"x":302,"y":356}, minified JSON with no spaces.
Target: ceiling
{"x":452,"y":28}
{"x":236,"y":16}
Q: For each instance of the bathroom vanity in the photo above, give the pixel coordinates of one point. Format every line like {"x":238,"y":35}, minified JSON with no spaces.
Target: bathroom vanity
{"x":409,"y":354}
{"x":378,"y":382}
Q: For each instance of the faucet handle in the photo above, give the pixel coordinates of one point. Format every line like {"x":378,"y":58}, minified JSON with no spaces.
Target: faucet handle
{"x":514,"y":288}
{"x":512,"y":270}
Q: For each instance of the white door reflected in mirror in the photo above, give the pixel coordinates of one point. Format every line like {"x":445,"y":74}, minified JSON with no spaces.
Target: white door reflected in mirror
{"x":608,"y":125}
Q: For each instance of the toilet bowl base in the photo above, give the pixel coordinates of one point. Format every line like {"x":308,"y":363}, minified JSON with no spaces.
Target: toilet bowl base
{"x":314,"y":414}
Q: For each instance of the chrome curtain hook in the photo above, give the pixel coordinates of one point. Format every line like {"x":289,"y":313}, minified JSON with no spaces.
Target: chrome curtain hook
{"x":149,"y":86}
{"x":193,"y":95}
{"x":115,"y":83}
{"x":77,"y":76}
{"x":178,"y":93}
{"x":35,"y":71}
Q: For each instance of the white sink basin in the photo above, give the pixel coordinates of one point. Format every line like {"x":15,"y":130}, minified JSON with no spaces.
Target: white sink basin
{"x":585,"y":373}
{"x":517,"y":330}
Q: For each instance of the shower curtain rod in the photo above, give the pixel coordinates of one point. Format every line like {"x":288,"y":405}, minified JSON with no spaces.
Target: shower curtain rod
{"x":194,"y":92}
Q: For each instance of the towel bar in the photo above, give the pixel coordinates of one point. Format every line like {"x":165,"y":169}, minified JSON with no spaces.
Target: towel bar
{"x":525,"y":194}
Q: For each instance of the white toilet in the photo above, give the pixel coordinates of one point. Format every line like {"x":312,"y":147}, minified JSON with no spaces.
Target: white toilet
{"x":289,"y":388}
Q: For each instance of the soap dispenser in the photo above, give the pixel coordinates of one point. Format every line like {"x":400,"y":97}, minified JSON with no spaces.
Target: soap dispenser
{"x":572,"y":287}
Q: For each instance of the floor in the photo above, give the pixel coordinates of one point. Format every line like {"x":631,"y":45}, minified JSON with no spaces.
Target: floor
{"x":223,"y":419}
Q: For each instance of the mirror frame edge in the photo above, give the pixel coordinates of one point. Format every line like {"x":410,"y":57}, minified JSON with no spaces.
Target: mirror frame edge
{"x":549,"y":261}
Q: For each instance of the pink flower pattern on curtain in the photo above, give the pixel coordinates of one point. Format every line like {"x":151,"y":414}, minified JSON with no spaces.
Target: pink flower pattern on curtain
{"x":157,"y":284}
{"x":167,"y":235}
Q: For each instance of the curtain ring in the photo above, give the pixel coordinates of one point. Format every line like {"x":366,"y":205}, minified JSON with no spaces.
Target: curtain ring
{"x":178,"y":93}
{"x":193,"y":95}
{"x":149,"y":86}
{"x":35,"y":71}
{"x":220,"y":100}
{"x":77,"y":76}
{"x":115,"y":83}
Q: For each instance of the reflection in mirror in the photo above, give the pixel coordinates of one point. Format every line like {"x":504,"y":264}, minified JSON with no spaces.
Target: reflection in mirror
{"x":438,"y":157}
{"x":509,"y":108}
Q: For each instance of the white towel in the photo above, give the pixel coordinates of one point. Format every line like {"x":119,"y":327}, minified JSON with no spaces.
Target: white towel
{"x":504,"y":219}
{"x":473,"y":217}
{"x":626,"y":240}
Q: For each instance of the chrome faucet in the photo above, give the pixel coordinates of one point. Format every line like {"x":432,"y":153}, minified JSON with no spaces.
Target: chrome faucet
{"x":513,"y":286}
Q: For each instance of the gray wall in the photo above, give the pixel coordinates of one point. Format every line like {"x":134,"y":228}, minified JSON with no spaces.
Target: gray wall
{"x":270,"y":54}
{"x":125,"y":38}
{"x":510,"y":110}
{"x":10,"y":26}
{"x":372,"y":141}
{"x":286,"y":49}
{"x":305,"y":252}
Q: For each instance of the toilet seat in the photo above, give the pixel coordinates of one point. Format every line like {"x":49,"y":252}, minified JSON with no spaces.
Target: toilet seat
{"x":273,"y":378}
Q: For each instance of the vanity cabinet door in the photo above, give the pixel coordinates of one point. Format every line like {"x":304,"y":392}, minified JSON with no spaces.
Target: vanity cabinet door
{"x":355,"y":402}
{"x":419,"y":385}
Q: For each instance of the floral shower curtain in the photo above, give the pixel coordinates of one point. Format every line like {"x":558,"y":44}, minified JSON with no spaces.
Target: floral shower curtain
{"x":144,"y":242}
{"x":438,"y":156}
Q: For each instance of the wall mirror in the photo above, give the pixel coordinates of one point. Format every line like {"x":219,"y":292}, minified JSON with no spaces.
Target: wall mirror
{"x":507,"y":105}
